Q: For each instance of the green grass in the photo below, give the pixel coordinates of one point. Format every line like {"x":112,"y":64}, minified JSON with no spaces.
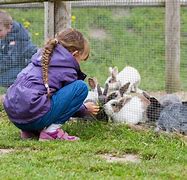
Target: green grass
{"x":161,"y":157}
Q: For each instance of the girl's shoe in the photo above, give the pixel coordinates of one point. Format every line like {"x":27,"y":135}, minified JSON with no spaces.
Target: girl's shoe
{"x":59,"y":134}
{"x":29,"y":135}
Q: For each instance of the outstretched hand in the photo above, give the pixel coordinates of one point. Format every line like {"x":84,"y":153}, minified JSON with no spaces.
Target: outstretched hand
{"x":92,"y":108}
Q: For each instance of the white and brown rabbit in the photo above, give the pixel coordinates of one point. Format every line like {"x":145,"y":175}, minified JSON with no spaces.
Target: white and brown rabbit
{"x":128,"y":109}
{"x":128,"y":74}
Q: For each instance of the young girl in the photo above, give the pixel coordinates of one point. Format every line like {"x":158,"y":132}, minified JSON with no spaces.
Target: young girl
{"x":51,"y":89}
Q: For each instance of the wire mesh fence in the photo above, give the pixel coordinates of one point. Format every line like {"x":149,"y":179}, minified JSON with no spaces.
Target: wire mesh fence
{"x":121,"y":33}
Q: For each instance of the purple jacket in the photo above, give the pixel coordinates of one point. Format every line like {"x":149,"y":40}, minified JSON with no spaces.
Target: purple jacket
{"x":26,"y":99}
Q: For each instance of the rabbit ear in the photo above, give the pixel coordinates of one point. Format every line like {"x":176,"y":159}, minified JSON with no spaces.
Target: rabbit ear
{"x":105,"y":90}
{"x":110,"y":70}
{"x":124,"y":89}
{"x":144,"y":100}
{"x":111,"y":96}
{"x":99,"y":91}
{"x":146,"y":95}
{"x":125,"y":100}
{"x":92,"y":82}
{"x":152,"y":100}
{"x":115,"y":72}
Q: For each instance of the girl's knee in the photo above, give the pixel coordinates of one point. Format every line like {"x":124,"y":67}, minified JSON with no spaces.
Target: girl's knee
{"x":82,"y":85}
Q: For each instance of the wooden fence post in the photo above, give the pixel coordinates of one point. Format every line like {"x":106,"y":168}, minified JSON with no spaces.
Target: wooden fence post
{"x":62,"y":16}
{"x":49,"y":26}
{"x":57,"y":17}
{"x":172,"y":35}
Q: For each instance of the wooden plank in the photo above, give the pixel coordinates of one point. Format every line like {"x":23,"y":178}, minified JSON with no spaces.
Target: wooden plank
{"x":24,"y":1}
{"x":172,"y":37}
{"x":62,"y":18}
{"x":49,"y":26}
{"x":106,"y":3}
{"x":57,"y":17}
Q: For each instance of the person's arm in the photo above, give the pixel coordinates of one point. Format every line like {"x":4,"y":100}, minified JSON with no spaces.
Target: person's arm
{"x":88,"y":108}
{"x":82,"y":112}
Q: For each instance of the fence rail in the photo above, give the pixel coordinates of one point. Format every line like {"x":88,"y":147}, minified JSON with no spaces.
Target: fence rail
{"x":96,"y":3}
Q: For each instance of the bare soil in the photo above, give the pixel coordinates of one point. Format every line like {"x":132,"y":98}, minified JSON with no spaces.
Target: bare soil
{"x":5,"y":151}
{"x":126,"y":158}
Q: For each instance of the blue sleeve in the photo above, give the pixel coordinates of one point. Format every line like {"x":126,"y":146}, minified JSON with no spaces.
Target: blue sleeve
{"x":8,"y":57}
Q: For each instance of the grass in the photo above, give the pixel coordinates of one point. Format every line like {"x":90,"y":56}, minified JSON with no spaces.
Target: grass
{"x":133,"y":37}
{"x":162,"y":157}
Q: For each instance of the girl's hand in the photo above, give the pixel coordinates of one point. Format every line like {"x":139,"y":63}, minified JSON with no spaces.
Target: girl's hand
{"x":92,"y":108}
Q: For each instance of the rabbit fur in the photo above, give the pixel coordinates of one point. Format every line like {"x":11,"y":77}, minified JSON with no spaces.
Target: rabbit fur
{"x":98,"y":95}
{"x":93,"y":93}
{"x":173,"y":118}
{"x":128,"y":109}
{"x":156,"y":106}
{"x":128,"y":74}
{"x":169,"y":99}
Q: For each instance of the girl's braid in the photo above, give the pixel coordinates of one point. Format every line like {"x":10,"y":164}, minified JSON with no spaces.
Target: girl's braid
{"x":46,"y":56}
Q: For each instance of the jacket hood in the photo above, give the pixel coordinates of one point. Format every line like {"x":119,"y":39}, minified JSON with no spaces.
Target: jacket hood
{"x":61,"y":57}
{"x":18,"y":32}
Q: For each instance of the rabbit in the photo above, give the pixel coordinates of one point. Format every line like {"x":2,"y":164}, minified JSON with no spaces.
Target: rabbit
{"x":173,"y":118}
{"x":128,"y":74}
{"x":93,"y":93}
{"x":169,"y":99}
{"x":128,"y":109}
{"x":153,"y":109}
{"x":103,"y":98}
{"x":98,"y":95}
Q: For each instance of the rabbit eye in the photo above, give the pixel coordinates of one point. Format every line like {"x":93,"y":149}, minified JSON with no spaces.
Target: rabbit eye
{"x":114,"y":104}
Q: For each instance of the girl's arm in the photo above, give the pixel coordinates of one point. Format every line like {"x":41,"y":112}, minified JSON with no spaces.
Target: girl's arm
{"x":86,"y":109}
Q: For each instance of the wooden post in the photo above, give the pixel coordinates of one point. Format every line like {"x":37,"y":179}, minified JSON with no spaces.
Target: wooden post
{"x":57,"y":17}
{"x":49,"y":26}
{"x":62,"y":18}
{"x":172,"y":22}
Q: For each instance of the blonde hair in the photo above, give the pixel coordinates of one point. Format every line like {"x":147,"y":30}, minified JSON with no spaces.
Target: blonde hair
{"x":70,"y":39}
{"x":5,"y":19}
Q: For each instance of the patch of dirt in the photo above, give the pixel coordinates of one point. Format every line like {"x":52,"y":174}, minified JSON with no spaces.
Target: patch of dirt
{"x":119,"y":13}
{"x":98,"y":34}
{"x":5,"y":151}
{"x":1,"y":98}
{"x":126,"y":158}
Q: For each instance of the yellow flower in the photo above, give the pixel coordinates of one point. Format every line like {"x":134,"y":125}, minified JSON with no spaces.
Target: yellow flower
{"x":73,"y":18}
{"x":36,"y":34}
{"x":26,"y":24}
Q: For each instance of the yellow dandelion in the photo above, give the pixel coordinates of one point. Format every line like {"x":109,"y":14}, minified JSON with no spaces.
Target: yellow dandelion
{"x":73,"y":18}
{"x":26,"y":24}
